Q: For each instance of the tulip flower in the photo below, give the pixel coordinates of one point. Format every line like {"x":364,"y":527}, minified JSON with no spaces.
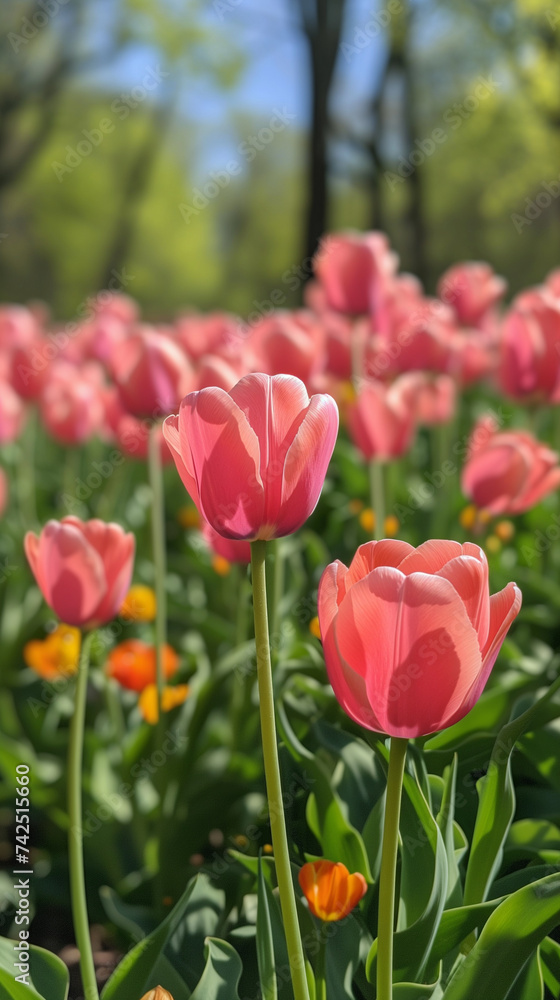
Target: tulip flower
{"x":529,"y":366}
{"x":133,"y":664}
{"x":472,"y":289}
{"x":354,"y":270}
{"x":330,"y":890}
{"x":171,"y":697}
{"x":158,"y":994}
{"x":226,"y":548}
{"x":57,"y":655}
{"x":437,"y":633}
{"x":151,"y":372}
{"x":508,"y":472}
{"x":83,"y":568}
{"x":254,"y":459}
{"x":293,"y":343}
{"x":12,"y":413}
{"x":382,"y":419}
{"x":71,"y":403}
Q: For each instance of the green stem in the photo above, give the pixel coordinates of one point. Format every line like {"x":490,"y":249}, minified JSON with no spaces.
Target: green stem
{"x":158,"y":550}
{"x":272,"y":775}
{"x":377,"y":497}
{"x":278,"y":590}
{"x":389,"y":850}
{"x":75,"y":840}
{"x":320,"y":970}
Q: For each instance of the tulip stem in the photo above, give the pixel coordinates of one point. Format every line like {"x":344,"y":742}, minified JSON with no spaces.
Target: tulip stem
{"x":75,"y":839}
{"x":397,"y":758}
{"x":272,"y":775}
{"x":377,"y":497}
{"x":158,"y":549}
{"x":320,"y":970}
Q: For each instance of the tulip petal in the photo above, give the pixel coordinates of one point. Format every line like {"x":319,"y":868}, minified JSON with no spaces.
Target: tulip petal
{"x":306,"y":463}
{"x":411,"y":640}
{"x":224,"y":451}
{"x":387,"y":552}
{"x":431,"y":556}
{"x":495,"y":476}
{"x":504,"y":607}
{"x":73,"y":573}
{"x":469,"y":576}
{"x":182,"y":459}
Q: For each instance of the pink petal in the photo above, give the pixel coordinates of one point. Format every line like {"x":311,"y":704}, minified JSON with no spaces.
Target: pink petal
{"x":182,"y":460}
{"x":411,"y":640}
{"x":504,"y":608}
{"x":469,"y":576}
{"x":430,"y":557}
{"x":224,"y":452}
{"x":306,"y":463}
{"x":73,"y":573}
{"x":494,"y":477}
{"x":387,"y":552}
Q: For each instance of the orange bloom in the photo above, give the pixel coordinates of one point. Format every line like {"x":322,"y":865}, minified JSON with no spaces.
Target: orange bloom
{"x":133,"y":664}
{"x":158,"y":994}
{"x":55,"y":656}
{"x":170,"y":698}
{"x":139,"y":604}
{"x":330,"y":890}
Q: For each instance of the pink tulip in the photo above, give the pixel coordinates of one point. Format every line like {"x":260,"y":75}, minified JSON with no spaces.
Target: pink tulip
{"x":12,"y":413}
{"x":254,"y":459}
{"x":228,"y":548}
{"x":472,"y":289}
{"x":151,"y":372}
{"x":423,"y":341}
{"x":382,"y":419}
{"x":290,"y":343}
{"x":530,"y":348}
{"x":19,"y":327}
{"x":130,"y":433}
{"x":410,"y":635}
{"x":71,"y":402}
{"x":83,"y":569}
{"x":432,"y":397}
{"x":212,"y":334}
{"x":214,"y":370}
{"x":507,"y":472}
{"x":354,"y":270}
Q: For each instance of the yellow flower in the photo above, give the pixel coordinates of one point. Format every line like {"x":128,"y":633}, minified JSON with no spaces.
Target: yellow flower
{"x":188,"y":517}
{"x":367,"y":520}
{"x":57,"y":655}
{"x":392,"y":525}
{"x":505,"y":530}
{"x":139,"y":604}
{"x":221,"y":566}
{"x":468,"y":517}
{"x":493,"y":544}
{"x":171,"y":697}
{"x":314,"y":627}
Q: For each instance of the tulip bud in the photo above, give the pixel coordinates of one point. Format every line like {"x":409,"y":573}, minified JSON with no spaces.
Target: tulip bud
{"x":158,"y":994}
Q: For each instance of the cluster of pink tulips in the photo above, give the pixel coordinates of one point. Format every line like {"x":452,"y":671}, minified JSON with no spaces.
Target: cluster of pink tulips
{"x":250,"y":418}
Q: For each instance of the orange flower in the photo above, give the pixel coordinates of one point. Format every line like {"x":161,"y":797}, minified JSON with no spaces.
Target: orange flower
{"x":133,"y":664}
{"x":139,"y":604}
{"x":170,"y":698}
{"x":55,"y":656}
{"x":158,"y":994}
{"x":330,"y":890}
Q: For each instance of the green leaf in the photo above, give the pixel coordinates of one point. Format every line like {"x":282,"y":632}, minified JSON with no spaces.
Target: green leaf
{"x":529,"y":985}
{"x":508,"y":939}
{"x":550,"y":961}
{"x":415,"y":991}
{"x":222,"y":973}
{"x":445,"y":821}
{"x":456,"y":924}
{"x":265,"y":944}
{"x":339,"y":840}
{"x":137,"y":921}
{"x":48,"y":975}
{"x":497,"y":803}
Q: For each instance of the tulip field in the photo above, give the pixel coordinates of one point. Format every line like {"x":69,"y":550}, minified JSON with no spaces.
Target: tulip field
{"x":279,"y":626}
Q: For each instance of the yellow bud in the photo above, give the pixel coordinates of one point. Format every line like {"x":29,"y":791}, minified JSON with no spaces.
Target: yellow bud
{"x":367,"y":520}
{"x":484,"y":516}
{"x":139,"y":604}
{"x":467,"y":517}
{"x":355,"y":506}
{"x":221,"y":566}
{"x":314,"y":627}
{"x":241,"y":841}
{"x":505,"y":530}
{"x":267,"y":848}
{"x":158,"y":994}
{"x":392,"y":525}
{"x":493,"y":544}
